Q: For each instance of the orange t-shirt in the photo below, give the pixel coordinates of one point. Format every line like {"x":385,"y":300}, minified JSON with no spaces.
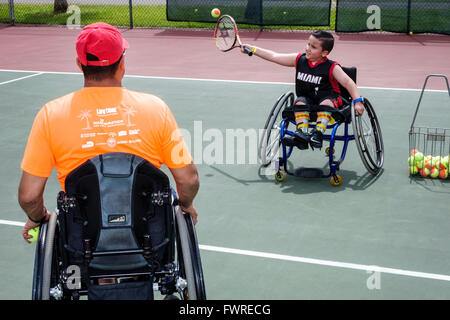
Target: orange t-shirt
{"x":96,"y":120}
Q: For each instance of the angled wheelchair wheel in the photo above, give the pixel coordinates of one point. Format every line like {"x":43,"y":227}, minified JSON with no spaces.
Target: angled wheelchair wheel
{"x":368,"y":137}
{"x":46,"y":267}
{"x":270,"y":140}
{"x":189,"y":260}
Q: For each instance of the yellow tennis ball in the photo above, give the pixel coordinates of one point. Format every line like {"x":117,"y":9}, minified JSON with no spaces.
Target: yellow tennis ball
{"x":215,"y":13}
{"x":34,"y":233}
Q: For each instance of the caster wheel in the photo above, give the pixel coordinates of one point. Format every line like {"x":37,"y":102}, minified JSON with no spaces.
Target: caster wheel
{"x":336,"y":180}
{"x":327,"y":151}
{"x":280,"y":176}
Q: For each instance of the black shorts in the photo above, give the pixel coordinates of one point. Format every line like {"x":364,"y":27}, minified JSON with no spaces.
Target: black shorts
{"x":317,"y":100}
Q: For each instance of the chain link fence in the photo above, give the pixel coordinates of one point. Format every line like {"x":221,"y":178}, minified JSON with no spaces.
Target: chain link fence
{"x":417,"y":16}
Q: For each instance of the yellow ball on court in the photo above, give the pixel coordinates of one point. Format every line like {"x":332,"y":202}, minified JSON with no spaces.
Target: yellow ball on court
{"x":34,"y":233}
{"x":215,"y":13}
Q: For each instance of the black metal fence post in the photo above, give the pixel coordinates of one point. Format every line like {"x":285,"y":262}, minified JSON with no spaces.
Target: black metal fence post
{"x":131,"y":13}
{"x":408,"y":18}
{"x":11,"y":11}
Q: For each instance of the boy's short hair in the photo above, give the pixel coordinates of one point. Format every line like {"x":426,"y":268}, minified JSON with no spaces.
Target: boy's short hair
{"x":326,"y":39}
{"x":97,"y":73}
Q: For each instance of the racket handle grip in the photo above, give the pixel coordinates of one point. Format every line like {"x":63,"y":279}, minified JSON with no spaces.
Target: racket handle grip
{"x":248,"y":51}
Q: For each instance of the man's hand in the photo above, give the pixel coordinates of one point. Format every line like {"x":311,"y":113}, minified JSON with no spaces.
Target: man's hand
{"x":192,"y":211}
{"x":30,"y":225}
{"x":359,"y":108}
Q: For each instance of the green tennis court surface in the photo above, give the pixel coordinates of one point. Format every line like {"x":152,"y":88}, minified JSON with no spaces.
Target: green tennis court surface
{"x":371,"y":238}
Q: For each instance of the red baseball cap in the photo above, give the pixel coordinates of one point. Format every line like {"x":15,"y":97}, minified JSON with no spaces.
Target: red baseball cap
{"x":103,"y":41}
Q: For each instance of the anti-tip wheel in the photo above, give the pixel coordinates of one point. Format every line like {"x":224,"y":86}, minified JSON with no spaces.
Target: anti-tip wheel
{"x":336,"y":180}
{"x":280,"y":176}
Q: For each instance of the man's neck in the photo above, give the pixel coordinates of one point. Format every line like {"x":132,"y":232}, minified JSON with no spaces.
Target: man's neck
{"x":104,"y":83}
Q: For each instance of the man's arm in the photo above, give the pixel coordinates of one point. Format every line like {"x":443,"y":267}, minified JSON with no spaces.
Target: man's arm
{"x":31,"y":191}
{"x":284,"y":59}
{"x":188,"y":184}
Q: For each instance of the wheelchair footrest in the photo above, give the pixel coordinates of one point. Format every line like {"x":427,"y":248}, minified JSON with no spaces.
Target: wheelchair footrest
{"x":309,"y":173}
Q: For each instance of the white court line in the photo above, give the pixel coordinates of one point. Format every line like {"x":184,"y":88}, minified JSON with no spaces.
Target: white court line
{"x":219,"y":80}
{"x":21,"y":78}
{"x":328,"y":263}
{"x":12,"y":223}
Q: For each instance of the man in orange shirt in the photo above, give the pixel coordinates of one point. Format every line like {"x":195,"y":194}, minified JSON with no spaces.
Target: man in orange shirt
{"x":102,"y":117}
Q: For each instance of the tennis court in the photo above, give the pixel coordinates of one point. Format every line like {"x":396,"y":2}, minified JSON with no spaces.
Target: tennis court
{"x":383,"y":237}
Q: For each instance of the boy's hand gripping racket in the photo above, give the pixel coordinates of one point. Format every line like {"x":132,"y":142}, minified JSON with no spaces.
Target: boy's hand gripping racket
{"x":226,"y":35}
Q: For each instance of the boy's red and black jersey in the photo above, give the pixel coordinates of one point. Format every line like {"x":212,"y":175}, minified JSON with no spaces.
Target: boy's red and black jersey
{"x":317,"y":80}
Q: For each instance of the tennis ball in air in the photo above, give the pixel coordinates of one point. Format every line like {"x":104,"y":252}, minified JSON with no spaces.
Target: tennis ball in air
{"x":434,"y":172}
{"x":34,"y":233}
{"x":425,"y":172}
{"x":413,"y":170}
{"x":215,"y":13}
{"x":410,"y":33}
{"x":443,"y":173}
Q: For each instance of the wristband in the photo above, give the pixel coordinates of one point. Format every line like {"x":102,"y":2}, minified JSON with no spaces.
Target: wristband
{"x":40,"y":220}
{"x":254,"y":50}
{"x":360,"y":99}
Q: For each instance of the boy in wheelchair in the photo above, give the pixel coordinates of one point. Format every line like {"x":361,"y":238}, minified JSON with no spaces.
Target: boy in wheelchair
{"x":317,"y":84}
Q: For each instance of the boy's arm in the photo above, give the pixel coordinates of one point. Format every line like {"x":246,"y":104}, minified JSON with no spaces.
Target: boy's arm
{"x":350,"y":85}
{"x":285,"y":59}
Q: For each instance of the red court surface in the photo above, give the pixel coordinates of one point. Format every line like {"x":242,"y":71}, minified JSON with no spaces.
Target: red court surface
{"x":383,"y":60}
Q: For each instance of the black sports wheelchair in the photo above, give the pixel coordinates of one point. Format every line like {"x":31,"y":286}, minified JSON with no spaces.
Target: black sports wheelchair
{"x":366,"y":133}
{"x":118,"y":233}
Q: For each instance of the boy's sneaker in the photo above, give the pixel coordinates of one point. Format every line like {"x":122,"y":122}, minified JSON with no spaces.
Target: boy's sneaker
{"x":316,"y":139}
{"x":295,"y":140}
{"x":301,"y":135}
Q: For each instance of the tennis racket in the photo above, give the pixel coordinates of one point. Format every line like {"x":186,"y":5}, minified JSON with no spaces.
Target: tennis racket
{"x":226,"y":35}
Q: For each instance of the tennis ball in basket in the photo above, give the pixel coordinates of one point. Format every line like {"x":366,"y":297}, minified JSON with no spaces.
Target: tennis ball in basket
{"x":413,"y":170}
{"x":444,"y":163}
{"x":413,"y":152}
{"x":425,"y":172}
{"x":434,"y":172}
{"x":215,"y":13}
{"x":443,"y":173}
{"x":411,"y":161}
{"x":418,"y":156}
{"x":430,"y":163}
{"x":34,"y":233}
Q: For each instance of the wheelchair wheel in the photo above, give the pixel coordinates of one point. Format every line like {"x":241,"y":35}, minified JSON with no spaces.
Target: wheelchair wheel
{"x":270,"y":140}
{"x":189,"y":260}
{"x":369,"y":140}
{"x":46,"y":267}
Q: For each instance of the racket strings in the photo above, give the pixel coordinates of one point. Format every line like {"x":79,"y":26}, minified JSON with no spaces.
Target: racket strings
{"x":225,"y":35}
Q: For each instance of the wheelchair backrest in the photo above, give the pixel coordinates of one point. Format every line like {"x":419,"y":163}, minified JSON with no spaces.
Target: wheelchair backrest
{"x":121,"y":198}
{"x":351,"y":72}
